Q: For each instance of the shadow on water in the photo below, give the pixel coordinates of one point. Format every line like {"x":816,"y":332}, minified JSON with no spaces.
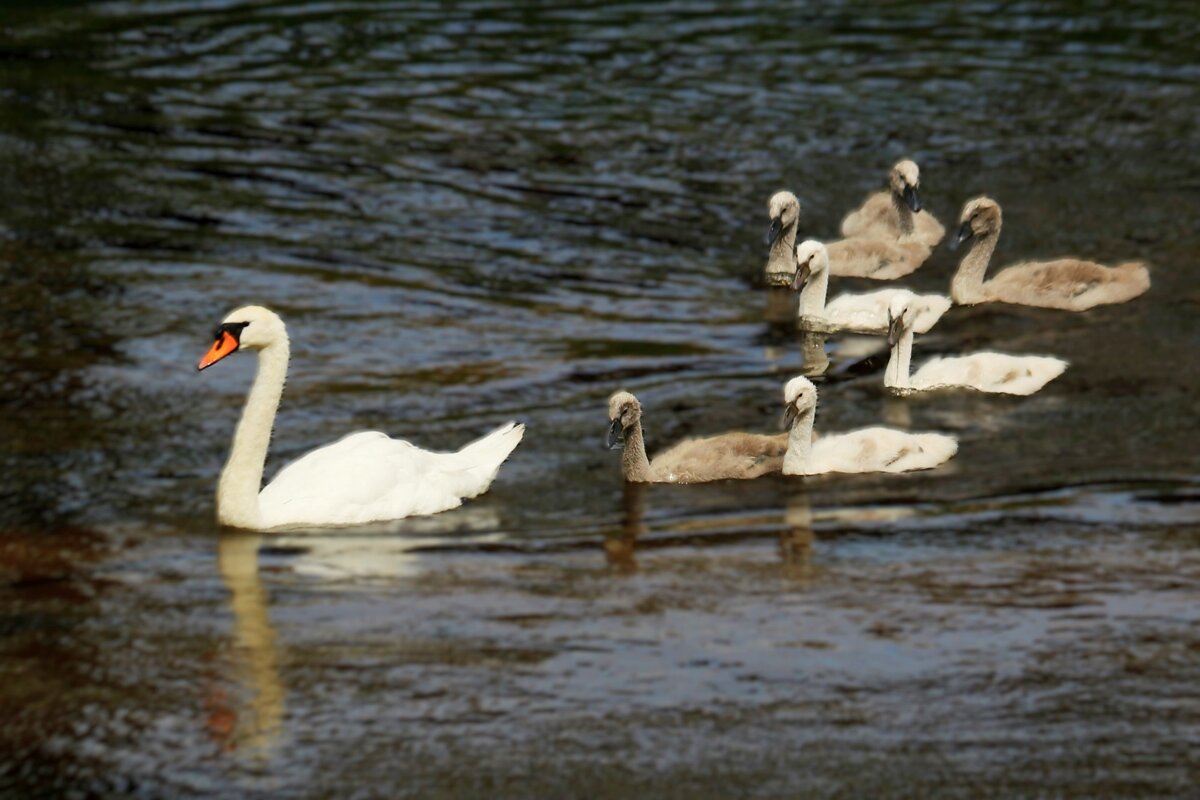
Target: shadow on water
{"x":481,"y":213}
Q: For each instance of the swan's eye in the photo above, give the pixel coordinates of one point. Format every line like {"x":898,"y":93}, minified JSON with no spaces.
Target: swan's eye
{"x":234,"y":329}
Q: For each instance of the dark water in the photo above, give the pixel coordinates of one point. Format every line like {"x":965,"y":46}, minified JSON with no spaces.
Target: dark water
{"x":474,"y":213}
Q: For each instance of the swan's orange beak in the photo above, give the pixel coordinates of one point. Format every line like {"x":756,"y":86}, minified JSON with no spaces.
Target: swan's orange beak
{"x":223,"y":346}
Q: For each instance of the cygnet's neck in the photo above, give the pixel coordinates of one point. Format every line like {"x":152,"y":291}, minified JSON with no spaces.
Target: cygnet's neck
{"x":812,"y":296}
{"x":241,"y":479}
{"x":896,"y":376}
{"x":782,"y":257}
{"x":904,"y":214}
{"x":798,"y":458}
{"x":634,"y":464}
{"x":967,"y":286}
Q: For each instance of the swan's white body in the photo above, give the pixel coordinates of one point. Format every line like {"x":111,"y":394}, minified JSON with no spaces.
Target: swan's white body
{"x":364,"y":477}
{"x":370,"y":477}
{"x":874,"y":449}
{"x":988,"y":371}
{"x":860,"y":313}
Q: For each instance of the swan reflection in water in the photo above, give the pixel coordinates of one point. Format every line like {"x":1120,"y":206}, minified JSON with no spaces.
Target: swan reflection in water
{"x":780,"y":316}
{"x":619,"y":548}
{"x":248,"y":718}
{"x":796,"y":539}
{"x":253,"y":720}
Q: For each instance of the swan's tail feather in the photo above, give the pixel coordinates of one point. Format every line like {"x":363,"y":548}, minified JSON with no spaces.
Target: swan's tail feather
{"x":1141,"y":275}
{"x":479,"y":461}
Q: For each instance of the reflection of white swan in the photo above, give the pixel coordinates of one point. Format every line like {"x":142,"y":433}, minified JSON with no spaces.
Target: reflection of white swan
{"x":984,"y":372}
{"x":812,"y":351}
{"x":866,"y":450}
{"x":363,"y":477}
{"x":865,"y":313}
{"x":385,"y":550}
{"x":796,"y":541}
{"x":256,"y":657}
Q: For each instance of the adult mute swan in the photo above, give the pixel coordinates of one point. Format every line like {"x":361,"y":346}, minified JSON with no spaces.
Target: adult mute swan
{"x":861,"y":313}
{"x":363,"y":477}
{"x":714,"y":458}
{"x":985,"y":372}
{"x":865,"y":450}
{"x":897,"y":211}
{"x":1067,"y":283}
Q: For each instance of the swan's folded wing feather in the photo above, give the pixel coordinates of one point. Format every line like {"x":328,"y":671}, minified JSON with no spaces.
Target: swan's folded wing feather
{"x":362,"y":477}
{"x":879,"y":449}
{"x":868,"y":312}
{"x":725,"y":456}
{"x":990,"y":372}
{"x":871,"y":217}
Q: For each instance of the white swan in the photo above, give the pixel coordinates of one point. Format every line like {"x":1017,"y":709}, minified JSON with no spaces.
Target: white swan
{"x":985,"y":372}
{"x":363,"y":477}
{"x":1066,"y":283}
{"x":861,"y":313}
{"x":897,"y":211}
{"x":866,"y":450}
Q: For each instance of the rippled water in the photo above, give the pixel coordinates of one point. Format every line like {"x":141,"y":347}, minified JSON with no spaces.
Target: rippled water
{"x":476,"y":213}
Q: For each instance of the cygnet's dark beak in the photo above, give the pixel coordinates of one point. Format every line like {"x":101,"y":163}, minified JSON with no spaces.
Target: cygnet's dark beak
{"x":895,"y":329}
{"x":910,"y":197}
{"x":964,"y":233}
{"x":774,"y":230}
{"x":803,"y":273}
{"x":790,"y":412}
{"x":613,"y":440}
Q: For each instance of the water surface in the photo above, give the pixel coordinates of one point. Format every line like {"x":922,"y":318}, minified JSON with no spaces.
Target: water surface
{"x":479,"y":213}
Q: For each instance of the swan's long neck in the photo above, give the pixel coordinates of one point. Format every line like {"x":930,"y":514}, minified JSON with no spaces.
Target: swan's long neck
{"x":241,"y":479}
{"x":799,"y":450}
{"x":904,"y":214}
{"x":812,"y":296}
{"x":634,"y":463}
{"x":899,"y":365}
{"x":782,"y":257}
{"x":967,"y":286}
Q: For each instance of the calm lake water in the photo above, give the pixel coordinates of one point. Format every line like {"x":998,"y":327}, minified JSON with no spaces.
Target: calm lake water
{"x":474,"y":213}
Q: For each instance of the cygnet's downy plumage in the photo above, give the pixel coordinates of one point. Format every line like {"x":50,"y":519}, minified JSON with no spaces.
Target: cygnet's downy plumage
{"x":1066,"y":283}
{"x":867,"y":256}
{"x":874,"y":449}
{"x":862,"y":313}
{"x":784,"y":210}
{"x":713,"y":458}
{"x":998,"y":373}
{"x":896,"y":212}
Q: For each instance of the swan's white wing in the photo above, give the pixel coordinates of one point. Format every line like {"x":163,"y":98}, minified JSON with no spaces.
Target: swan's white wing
{"x":369,"y":477}
{"x":931,"y":307}
{"x":990,"y":372}
{"x":880,"y":450}
{"x":361,"y":478}
{"x":868,"y":312}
